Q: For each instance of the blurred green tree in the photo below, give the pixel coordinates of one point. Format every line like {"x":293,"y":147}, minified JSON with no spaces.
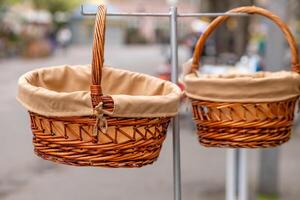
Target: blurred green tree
{"x":55,"y":5}
{"x":9,"y":2}
{"x":51,"y":5}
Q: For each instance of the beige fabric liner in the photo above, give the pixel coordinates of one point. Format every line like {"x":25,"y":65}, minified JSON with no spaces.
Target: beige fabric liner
{"x":257,"y":87}
{"x":64,"y":91}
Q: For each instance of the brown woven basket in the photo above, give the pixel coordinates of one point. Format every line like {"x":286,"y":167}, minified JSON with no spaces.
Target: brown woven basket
{"x":244,"y":124}
{"x":103,"y":140}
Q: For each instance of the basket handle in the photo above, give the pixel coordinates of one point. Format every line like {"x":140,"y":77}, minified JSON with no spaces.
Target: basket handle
{"x":98,"y":56}
{"x":249,"y":10}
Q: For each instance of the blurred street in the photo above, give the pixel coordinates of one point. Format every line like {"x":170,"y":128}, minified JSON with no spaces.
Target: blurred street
{"x":23,"y":176}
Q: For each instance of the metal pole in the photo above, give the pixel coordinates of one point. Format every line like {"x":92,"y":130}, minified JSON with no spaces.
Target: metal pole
{"x":211,"y":14}
{"x":176,"y":136}
{"x":268,"y":182}
{"x":151,"y":14}
{"x":242,"y":175}
{"x":231,"y":174}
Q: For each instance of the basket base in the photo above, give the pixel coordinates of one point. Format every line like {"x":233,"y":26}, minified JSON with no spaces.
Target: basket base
{"x":243,"y":138}
{"x":107,"y":164}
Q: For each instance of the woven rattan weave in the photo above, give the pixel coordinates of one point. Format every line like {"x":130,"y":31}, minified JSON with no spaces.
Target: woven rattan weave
{"x":244,"y":124}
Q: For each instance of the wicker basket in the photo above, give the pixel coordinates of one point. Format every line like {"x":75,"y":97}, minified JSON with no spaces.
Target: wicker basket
{"x":243,"y":111}
{"x":102,"y":138}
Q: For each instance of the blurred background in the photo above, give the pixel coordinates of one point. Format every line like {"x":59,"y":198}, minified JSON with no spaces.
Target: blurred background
{"x":39,"y":33}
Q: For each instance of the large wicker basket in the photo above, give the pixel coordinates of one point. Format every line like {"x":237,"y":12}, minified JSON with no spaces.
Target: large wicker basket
{"x":70,"y":125}
{"x":243,"y":111}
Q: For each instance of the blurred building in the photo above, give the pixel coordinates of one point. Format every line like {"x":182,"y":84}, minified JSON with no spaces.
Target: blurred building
{"x":83,"y":26}
{"x":127,"y":30}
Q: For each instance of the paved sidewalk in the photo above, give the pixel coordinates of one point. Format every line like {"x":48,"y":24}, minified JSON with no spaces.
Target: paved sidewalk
{"x":23,"y":176}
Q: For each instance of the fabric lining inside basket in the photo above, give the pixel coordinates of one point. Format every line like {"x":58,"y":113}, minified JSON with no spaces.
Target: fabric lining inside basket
{"x":64,"y":91}
{"x":256,"y":87}
{"x":246,"y":75}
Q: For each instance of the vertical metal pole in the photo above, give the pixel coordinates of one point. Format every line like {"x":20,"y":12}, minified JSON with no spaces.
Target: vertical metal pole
{"x":231,"y":169}
{"x":236,"y":175}
{"x":268,"y":184}
{"x":176,"y":136}
{"x":242,"y":175}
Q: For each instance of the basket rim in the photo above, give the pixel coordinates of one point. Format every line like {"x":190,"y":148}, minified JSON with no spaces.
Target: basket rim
{"x":255,"y":76}
{"x":255,"y":87}
{"x":162,"y":104}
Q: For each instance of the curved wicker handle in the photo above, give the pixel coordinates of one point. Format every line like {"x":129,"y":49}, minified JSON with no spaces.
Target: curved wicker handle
{"x":250,"y":10}
{"x":98,"y":56}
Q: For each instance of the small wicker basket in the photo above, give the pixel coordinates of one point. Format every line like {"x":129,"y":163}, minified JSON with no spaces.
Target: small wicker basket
{"x":243,"y":111}
{"x":103,"y":138}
